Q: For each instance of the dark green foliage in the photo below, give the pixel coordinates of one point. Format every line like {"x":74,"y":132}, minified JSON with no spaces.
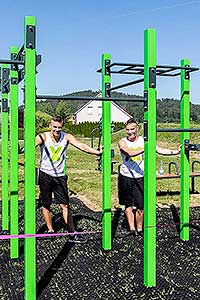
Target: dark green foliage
{"x":21,"y":133}
{"x":42,"y":121}
{"x":89,"y":129}
{"x":63,"y":110}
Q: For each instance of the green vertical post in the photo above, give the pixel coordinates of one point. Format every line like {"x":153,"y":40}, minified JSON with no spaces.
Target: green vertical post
{"x":4,"y":145}
{"x":14,"y":252}
{"x":106,"y":156}
{"x":29,"y":156}
{"x":150,"y":158}
{"x":185,"y":164}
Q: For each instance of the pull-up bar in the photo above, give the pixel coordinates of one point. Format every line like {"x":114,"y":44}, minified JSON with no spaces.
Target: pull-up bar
{"x":10,"y":62}
{"x":54,"y":97}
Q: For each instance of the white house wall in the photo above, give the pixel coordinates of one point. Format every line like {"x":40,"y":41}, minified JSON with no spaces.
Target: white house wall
{"x":93,"y":113}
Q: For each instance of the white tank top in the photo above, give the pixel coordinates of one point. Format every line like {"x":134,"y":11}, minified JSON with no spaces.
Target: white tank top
{"x":133,"y":167}
{"x":53,"y":155}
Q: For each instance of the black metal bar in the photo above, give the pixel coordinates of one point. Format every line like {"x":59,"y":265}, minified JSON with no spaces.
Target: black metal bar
{"x":192,"y":179}
{"x":54,"y":97}
{"x":20,"y":53}
{"x":15,"y":62}
{"x":129,"y":72}
{"x":169,"y":75}
{"x":176,"y":167}
{"x":178,"y":68}
{"x":194,"y":147}
{"x":178,"y":129}
{"x":126,"y":84}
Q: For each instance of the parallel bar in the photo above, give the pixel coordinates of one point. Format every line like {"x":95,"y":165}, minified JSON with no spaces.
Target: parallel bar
{"x":4,"y":147}
{"x":10,"y":62}
{"x":178,"y":130}
{"x":29,"y":156}
{"x":150,"y":161}
{"x":106,"y":157}
{"x":14,"y":252}
{"x":54,"y":97}
{"x":185,"y":165}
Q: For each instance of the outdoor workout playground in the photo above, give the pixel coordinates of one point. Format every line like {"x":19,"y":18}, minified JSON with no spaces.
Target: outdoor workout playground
{"x":109,"y":263}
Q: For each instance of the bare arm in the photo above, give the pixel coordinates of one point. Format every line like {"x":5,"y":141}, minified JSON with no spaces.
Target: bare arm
{"x":164,"y":151}
{"x":81,"y":146}
{"x":38,"y":140}
{"x":123,"y":147}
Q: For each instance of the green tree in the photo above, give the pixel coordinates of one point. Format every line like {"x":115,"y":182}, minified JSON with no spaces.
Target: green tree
{"x":42,"y":121}
{"x":63,"y":110}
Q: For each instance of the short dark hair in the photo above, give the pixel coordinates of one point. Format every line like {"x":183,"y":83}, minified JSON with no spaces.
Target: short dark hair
{"x":131,"y":120}
{"x":57,"y":119}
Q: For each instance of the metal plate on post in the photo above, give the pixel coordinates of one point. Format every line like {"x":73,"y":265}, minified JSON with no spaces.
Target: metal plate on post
{"x":30,"y":37}
{"x":145,"y":131}
{"x":107,"y":92}
{"x":145,"y":100}
{"x":13,"y":66}
{"x":152,"y":77}
{"x":187,"y":73}
{"x":5,"y":81}
{"x":107,"y":67}
{"x":4,"y":105}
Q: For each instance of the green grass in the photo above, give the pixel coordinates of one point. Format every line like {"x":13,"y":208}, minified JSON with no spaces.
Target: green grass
{"x":84,"y":180}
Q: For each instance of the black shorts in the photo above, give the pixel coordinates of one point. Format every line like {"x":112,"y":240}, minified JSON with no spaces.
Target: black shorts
{"x":131,"y":191}
{"x":49,"y":184}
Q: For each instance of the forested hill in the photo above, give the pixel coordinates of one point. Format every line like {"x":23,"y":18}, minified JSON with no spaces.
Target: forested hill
{"x":168,"y":110}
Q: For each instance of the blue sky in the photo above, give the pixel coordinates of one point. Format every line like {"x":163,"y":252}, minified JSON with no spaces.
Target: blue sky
{"x":72,"y":35}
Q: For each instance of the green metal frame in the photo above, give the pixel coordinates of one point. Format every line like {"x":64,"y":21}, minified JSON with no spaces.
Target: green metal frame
{"x":14,"y":249}
{"x":29,"y":156}
{"x":4,"y":150}
{"x":106,"y":158}
{"x":150,"y":162}
{"x":185,"y":164}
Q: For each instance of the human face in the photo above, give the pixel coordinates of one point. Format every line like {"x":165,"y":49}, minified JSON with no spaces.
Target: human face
{"x":56,"y":128}
{"x":132,"y":130}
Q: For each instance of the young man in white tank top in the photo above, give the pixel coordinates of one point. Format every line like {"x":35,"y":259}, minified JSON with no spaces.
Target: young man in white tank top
{"x":131,"y":175}
{"x":52,"y":177}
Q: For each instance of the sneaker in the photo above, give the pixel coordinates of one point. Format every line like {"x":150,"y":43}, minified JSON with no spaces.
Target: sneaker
{"x":50,"y":231}
{"x":132,"y":233}
{"x":80,"y":239}
{"x":141,"y":233}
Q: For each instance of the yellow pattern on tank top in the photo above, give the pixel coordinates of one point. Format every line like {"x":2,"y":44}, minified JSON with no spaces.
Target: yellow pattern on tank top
{"x":137,"y":158}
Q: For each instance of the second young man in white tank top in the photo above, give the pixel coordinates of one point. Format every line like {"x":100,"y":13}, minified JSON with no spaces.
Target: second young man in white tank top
{"x":131,"y":175}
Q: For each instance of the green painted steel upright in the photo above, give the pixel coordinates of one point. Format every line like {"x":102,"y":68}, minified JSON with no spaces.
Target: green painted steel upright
{"x":106,"y":157}
{"x":4,"y":145}
{"x":29,"y":156}
{"x":14,"y":246}
{"x":185,"y":164}
{"x":150,"y":157}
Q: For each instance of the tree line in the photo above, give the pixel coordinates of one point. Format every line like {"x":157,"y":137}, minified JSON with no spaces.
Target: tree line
{"x":168,"y":111}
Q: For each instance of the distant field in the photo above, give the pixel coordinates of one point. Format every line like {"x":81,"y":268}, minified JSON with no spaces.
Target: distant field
{"x":86,"y":181}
